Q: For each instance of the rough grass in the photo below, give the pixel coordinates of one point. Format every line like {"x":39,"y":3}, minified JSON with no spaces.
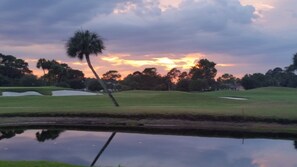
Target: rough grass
{"x":33,"y":164}
{"x":42,"y":90}
{"x":279,"y":103}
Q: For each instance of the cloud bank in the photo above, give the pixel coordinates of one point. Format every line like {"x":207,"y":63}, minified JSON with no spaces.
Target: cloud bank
{"x":259,"y":34}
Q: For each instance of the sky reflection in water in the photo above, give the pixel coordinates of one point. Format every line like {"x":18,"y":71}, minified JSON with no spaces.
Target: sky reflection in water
{"x":142,"y":150}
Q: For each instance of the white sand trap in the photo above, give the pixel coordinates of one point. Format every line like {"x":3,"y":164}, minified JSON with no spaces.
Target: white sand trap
{"x":72,"y":93}
{"x":234,"y":98}
{"x":28,"y":93}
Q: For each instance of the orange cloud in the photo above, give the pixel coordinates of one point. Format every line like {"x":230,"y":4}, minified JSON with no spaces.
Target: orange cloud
{"x":184,"y":62}
{"x":226,"y":65}
{"x":78,"y":63}
{"x":31,"y":60}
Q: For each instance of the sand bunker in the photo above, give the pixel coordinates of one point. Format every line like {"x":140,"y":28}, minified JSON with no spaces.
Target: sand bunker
{"x":234,"y":98}
{"x":54,"y":93}
{"x":72,"y":93}
{"x":28,"y":93}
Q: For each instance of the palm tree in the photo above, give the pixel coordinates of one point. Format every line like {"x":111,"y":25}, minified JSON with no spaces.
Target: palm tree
{"x":42,"y":64}
{"x":82,"y":45}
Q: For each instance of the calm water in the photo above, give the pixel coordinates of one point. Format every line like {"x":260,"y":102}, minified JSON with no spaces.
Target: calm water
{"x":143,"y":150}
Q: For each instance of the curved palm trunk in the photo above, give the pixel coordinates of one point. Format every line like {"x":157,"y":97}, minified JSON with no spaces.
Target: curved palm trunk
{"x":101,"y":82}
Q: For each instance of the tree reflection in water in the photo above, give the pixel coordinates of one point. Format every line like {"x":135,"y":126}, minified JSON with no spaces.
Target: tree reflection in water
{"x":48,"y":135}
{"x":7,"y":134}
{"x":103,"y":148}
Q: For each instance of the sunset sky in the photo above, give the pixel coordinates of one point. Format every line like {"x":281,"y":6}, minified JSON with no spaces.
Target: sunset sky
{"x":241,"y":36}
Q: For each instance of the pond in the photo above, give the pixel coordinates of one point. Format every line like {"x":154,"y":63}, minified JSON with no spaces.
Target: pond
{"x":144,"y":150}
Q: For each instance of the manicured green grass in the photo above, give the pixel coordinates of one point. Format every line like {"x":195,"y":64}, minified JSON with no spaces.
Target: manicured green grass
{"x":42,"y":90}
{"x":263,"y":102}
{"x":33,"y":164}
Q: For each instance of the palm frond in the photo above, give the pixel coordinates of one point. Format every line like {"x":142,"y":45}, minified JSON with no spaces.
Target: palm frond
{"x":84,"y":43}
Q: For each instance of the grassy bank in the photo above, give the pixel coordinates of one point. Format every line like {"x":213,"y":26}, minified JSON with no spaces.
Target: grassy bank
{"x":273,"y":103}
{"x":33,"y":164}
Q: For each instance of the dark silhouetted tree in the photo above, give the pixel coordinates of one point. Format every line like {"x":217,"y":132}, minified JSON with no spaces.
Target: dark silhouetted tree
{"x":183,"y":75}
{"x":275,"y":77}
{"x":60,"y":74}
{"x":227,"y":81}
{"x":198,"y":85}
{"x":293,"y":66}
{"x":30,"y":80}
{"x":172,"y":78}
{"x":204,"y":69}
{"x":148,"y":79}
{"x":151,"y":80}
{"x":254,"y":81}
{"x":111,"y":75}
{"x":133,"y":81}
{"x":93,"y":85}
{"x":183,"y":85}
{"x":75,"y":79}
{"x":13,"y":68}
{"x":295,"y":60}
{"x":111,"y":79}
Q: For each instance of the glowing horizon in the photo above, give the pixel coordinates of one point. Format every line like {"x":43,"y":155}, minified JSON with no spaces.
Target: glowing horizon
{"x":116,"y":61}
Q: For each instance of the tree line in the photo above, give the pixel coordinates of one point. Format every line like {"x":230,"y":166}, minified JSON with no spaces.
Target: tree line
{"x":200,"y":77}
{"x":279,"y":77}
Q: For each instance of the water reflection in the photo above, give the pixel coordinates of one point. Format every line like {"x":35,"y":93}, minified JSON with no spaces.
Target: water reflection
{"x":6,"y":134}
{"x":145,"y":150}
{"x":103,"y":148}
{"x":48,"y":135}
